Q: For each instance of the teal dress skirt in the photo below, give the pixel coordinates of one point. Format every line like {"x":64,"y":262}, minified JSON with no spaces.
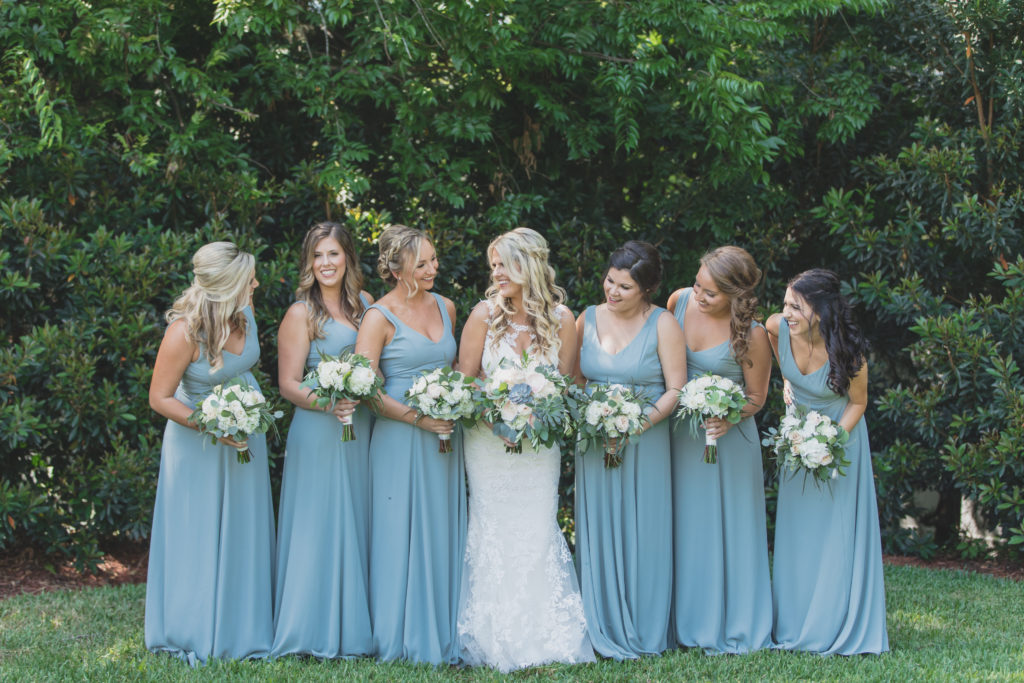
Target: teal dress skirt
{"x":209,"y":588}
{"x":321,"y":601}
{"x":624,"y":514}
{"x":827,"y":585}
{"x":418,"y":514}
{"x":722,"y":598}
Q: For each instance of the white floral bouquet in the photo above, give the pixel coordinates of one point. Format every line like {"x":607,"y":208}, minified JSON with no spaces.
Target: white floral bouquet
{"x":809,"y":441}
{"x":237,"y":410}
{"x":609,"y":414}
{"x":710,"y":395}
{"x":443,"y":394}
{"x":346,"y":377}
{"x":526,"y":400}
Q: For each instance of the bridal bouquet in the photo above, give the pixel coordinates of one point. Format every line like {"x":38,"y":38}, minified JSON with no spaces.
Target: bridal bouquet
{"x":443,"y":394}
{"x":809,"y":441}
{"x":707,"y":396}
{"x":345,"y":377}
{"x":236,"y":410}
{"x":610,"y":412}
{"x":526,"y":400}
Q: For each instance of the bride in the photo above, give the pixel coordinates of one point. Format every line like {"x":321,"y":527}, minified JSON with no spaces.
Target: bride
{"x":520,"y":604}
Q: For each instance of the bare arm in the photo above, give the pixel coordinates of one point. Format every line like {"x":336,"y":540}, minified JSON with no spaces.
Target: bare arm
{"x":578,"y":372}
{"x":474,"y":335}
{"x":672,"y":354}
{"x":172,"y":359}
{"x":858,"y":399}
{"x":567,"y":351}
{"x":293,"y":346}
{"x":672,"y":300}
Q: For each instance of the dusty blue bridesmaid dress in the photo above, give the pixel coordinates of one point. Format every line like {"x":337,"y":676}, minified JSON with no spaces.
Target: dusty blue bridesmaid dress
{"x":722,"y":599}
{"x":209,"y":590}
{"x":321,"y":601}
{"x":418,"y":519}
{"x":624,"y":515}
{"x":827,"y":583}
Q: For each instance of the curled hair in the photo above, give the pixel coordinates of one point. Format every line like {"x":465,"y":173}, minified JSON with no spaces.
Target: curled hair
{"x":524,"y":252}
{"x":213,"y":304}
{"x":309,"y":289}
{"x":399,"y":246}
{"x":642,"y":261}
{"x":735,"y":275}
{"x":846,"y":346}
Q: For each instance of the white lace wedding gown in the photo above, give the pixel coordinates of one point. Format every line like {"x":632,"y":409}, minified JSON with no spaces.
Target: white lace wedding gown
{"x":520,"y":604}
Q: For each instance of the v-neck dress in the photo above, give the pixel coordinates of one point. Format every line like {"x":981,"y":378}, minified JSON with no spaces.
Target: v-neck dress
{"x":322,"y":601}
{"x":624,"y":514}
{"x":209,"y":588}
{"x":722,"y":598}
{"x":827,"y":584}
{"x":418,"y":513}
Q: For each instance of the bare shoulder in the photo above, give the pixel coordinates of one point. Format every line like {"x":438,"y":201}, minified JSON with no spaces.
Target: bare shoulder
{"x":673,"y":299}
{"x":772,"y":324}
{"x":668,"y":325}
{"x":366,"y":296}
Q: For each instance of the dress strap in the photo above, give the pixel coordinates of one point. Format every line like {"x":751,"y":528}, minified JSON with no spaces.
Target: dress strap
{"x":680,"y":310}
{"x":391,"y":317}
{"x":444,"y":311}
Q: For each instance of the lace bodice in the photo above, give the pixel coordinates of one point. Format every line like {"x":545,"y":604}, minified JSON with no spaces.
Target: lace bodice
{"x":505,"y":348}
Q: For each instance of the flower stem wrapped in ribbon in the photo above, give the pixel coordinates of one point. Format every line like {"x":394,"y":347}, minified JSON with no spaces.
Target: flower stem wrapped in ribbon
{"x":609,"y":414}
{"x":443,"y":394}
{"x":710,"y":395}
{"x":346,"y":377}
{"x":809,"y":441}
{"x":236,"y":410}
{"x":526,"y":400}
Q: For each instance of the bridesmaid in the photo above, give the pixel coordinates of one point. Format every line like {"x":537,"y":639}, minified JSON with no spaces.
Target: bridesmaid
{"x":209,"y":588}
{"x":624,"y":515}
{"x":827,"y":585}
{"x":722,"y":592}
{"x":321,"y":605}
{"x":418,"y":513}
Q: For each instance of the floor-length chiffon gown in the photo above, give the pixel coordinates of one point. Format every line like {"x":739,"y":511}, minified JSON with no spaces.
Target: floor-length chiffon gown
{"x":624,"y":514}
{"x":322,"y":598}
{"x":722,"y":599}
{"x":418,"y":513}
{"x":520,"y":604}
{"x":827,"y":583}
{"x":209,"y":588}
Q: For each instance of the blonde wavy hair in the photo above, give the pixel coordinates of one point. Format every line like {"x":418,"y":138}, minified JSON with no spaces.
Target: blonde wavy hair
{"x":524,"y":252}
{"x":214,"y":303}
{"x":399,"y":246}
{"x":737,"y":276}
{"x":309,"y":289}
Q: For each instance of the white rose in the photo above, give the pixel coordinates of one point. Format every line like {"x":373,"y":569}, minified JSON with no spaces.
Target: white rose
{"x":631,"y":410}
{"x":829,"y":431}
{"x":434,"y":391}
{"x":361,"y":379}
{"x":508,"y":412}
{"x":622,"y":423}
{"x":593,"y":414}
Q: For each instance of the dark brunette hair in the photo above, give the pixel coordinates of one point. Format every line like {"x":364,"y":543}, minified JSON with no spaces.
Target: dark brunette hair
{"x":845,"y":343}
{"x":643,"y":263}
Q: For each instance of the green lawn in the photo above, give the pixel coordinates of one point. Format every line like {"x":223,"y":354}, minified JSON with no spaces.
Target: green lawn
{"x":943,"y":625}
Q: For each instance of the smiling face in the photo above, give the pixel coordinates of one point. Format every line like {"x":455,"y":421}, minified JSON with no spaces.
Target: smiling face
{"x":328,"y":263}
{"x":798,"y":314}
{"x":418,"y":273}
{"x":621,"y":292}
{"x":502,"y":278}
{"x":708,"y":297}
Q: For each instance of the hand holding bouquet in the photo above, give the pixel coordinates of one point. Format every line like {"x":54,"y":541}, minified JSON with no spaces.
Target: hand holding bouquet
{"x":707,"y":396}
{"x":809,"y":441}
{"x":443,"y":394}
{"x":526,"y":400}
{"x":235,"y":410}
{"x":347,"y":377}
{"x":609,"y":414}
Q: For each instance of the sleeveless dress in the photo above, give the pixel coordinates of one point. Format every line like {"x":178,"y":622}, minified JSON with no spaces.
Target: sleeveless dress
{"x":722,"y":599}
{"x":418,"y":514}
{"x":321,"y":602}
{"x":624,"y":515}
{"x":520,"y":604}
{"x":209,"y":588}
{"x":827,"y":584}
